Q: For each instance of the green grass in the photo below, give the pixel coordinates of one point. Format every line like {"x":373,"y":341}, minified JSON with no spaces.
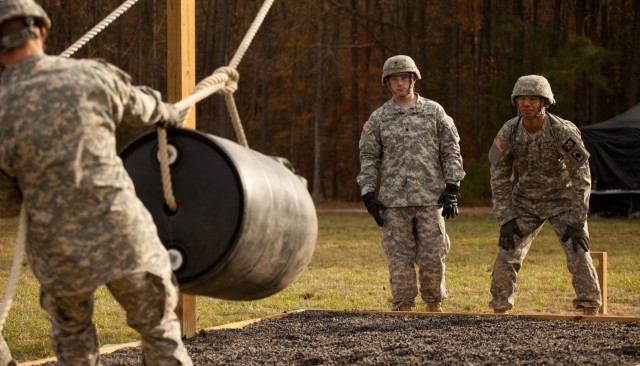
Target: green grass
{"x":349,"y":272}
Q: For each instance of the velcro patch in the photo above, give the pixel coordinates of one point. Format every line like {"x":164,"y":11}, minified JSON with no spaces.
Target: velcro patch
{"x":578,"y":155}
{"x":499,"y":144}
{"x":495,"y":152}
{"x":366,"y":128}
{"x":568,"y":145}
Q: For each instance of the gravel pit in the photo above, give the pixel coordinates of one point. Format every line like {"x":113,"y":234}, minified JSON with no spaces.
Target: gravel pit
{"x":341,"y":338}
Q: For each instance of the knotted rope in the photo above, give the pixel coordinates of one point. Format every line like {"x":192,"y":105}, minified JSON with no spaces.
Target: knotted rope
{"x":223,"y":80}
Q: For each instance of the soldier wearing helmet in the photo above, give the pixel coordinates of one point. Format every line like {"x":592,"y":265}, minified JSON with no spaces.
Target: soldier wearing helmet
{"x":87,"y":228}
{"x":412,"y":145}
{"x":22,"y":21}
{"x":540,"y":172}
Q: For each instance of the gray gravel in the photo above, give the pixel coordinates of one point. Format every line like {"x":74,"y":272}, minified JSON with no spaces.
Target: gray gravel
{"x":343,"y":338}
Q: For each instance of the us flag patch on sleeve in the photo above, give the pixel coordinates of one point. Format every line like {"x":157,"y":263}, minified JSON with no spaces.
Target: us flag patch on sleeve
{"x":366,"y":128}
{"x":496,"y":150}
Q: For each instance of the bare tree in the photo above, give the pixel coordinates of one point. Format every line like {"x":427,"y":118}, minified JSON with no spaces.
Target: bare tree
{"x":318,"y":179}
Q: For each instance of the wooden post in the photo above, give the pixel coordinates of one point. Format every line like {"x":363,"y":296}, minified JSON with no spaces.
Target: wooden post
{"x":181,"y":54}
{"x":601,"y":269}
{"x":181,"y":66}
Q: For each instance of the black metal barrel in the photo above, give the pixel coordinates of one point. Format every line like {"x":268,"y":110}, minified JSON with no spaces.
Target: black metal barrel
{"x":245,"y":226}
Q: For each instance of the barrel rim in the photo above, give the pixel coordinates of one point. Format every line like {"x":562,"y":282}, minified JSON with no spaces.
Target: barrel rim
{"x":151,"y":136}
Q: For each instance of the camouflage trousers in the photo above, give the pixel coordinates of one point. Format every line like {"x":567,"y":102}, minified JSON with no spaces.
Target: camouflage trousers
{"x":505,"y":269}
{"x":415,"y":235}
{"x":149,"y":301}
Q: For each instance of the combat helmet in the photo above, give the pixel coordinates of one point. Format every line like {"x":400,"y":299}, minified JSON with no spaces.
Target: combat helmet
{"x":398,"y":64}
{"x":534,"y":85}
{"x":31,"y":12}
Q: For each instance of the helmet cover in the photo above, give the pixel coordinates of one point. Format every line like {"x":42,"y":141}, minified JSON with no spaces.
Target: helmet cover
{"x":533,"y":85}
{"x":11,"y":9}
{"x":398,"y":64}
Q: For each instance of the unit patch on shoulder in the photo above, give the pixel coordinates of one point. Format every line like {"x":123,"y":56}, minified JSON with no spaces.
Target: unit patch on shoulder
{"x":574,"y":153}
{"x":578,"y":155}
{"x":366,"y":128}
{"x":568,"y":145}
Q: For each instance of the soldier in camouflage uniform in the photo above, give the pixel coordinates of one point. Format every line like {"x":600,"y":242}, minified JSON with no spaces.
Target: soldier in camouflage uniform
{"x":86,"y":226}
{"x":412,"y":144}
{"x":540,"y":172}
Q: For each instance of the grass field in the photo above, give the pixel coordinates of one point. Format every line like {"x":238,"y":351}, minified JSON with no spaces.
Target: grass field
{"x":348,"y":272}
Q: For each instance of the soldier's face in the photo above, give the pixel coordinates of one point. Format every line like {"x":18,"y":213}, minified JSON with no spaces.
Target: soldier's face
{"x":528,"y":106}
{"x":400,"y":84}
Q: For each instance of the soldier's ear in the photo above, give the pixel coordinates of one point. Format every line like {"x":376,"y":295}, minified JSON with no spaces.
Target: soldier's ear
{"x":43,"y":32}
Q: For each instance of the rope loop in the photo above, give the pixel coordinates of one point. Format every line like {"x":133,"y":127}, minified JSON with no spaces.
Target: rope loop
{"x":232,"y":81}
{"x":223,"y":80}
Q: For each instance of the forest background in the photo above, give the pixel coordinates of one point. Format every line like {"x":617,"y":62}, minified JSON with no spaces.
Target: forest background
{"x":311,"y":77}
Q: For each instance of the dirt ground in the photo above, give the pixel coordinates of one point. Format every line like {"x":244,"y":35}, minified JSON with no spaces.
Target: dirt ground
{"x":343,"y":338}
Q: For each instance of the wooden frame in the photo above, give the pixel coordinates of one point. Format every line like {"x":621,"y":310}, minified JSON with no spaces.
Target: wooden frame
{"x":181,"y":74}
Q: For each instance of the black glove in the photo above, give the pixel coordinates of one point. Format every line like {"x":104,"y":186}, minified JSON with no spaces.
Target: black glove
{"x":449,"y":201}
{"x":373,"y":206}
{"x":173,"y":118}
{"x":578,"y":237}
{"x":507,"y":231}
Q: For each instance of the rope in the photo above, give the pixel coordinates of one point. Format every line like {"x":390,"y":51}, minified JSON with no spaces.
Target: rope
{"x":98,"y":28}
{"x":223,"y":79}
{"x":164,"y":170}
{"x":14,"y":275}
{"x":21,"y":238}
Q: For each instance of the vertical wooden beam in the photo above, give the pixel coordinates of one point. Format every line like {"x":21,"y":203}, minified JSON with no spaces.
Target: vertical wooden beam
{"x":602,"y":270}
{"x":181,"y":66}
{"x":181,"y":52}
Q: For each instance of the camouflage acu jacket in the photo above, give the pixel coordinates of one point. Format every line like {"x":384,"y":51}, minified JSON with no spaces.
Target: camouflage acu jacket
{"x":415,"y":152}
{"x":58,"y":153}
{"x":546,"y":175}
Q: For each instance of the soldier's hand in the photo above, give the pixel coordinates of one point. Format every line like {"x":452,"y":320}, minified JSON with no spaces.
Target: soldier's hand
{"x":507,"y":231}
{"x":449,"y":201}
{"x":173,"y":117}
{"x":578,"y":237}
{"x":374,"y":207}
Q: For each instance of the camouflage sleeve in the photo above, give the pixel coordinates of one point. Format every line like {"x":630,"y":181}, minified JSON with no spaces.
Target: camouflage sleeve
{"x":577,"y":161}
{"x":139,"y":105}
{"x":450,"y":149}
{"x":370,"y":156}
{"x":10,"y":196}
{"x":502,"y":169}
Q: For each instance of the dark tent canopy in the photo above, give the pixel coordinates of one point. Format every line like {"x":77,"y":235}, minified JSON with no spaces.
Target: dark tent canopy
{"x":614,"y":146}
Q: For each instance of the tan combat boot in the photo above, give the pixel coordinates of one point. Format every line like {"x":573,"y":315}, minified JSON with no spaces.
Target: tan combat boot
{"x":500,"y":311}
{"x":404,"y":308}
{"x":434,"y":307}
{"x":590,"y":311}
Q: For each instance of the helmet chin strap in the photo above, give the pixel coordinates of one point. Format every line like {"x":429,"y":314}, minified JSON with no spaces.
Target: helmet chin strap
{"x":405,"y":94}
{"x":540,"y":111}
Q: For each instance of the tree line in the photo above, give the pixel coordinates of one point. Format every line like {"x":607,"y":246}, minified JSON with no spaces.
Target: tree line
{"x":312,"y":75}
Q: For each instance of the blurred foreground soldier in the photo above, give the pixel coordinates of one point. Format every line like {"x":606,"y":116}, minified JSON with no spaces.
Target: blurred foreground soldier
{"x":413,"y":145}
{"x":5,"y":354}
{"x":540,"y":172}
{"x":87,"y":228}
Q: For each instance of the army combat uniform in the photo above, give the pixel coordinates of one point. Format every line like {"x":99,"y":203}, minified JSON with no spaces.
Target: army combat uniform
{"x":415,"y":151}
{"x":535,"y":179}
{"x":86,"y":226}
